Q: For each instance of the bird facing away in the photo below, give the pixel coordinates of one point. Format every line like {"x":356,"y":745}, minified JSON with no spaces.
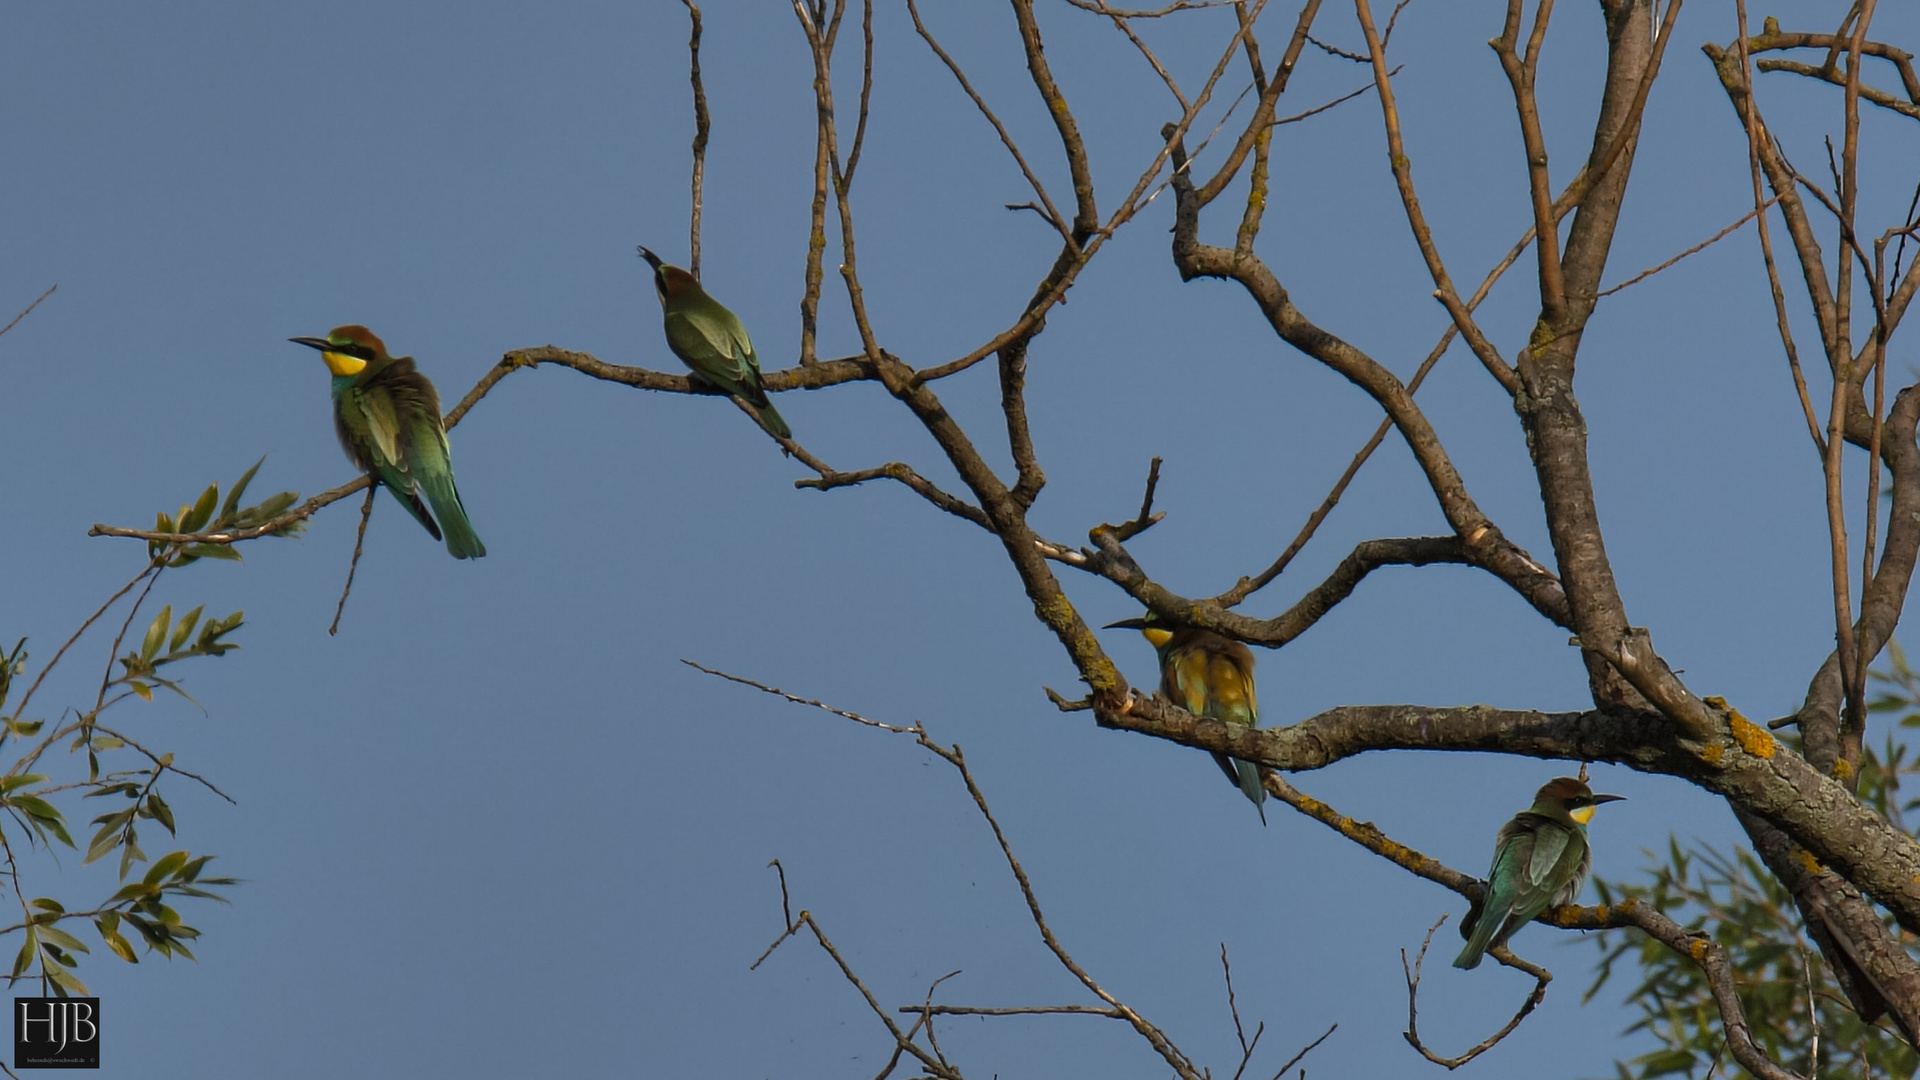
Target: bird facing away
{"x":388,"y":419}
{"x":1208,"y":675}
{"x":1539,"y":861}
{"x":710,"y":339}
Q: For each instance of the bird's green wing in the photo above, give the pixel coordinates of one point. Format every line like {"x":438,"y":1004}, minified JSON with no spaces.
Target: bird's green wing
{"x":1549,"y":844}
{"x":713,"y":342}
{"x":1506,"y":882}
{"x":383,"y":426}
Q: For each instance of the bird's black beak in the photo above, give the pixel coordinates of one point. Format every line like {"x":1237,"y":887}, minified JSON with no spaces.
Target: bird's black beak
{"x":1126,"y":624}
{"x":1598,"y":799}
{"x":652,"y":259}
{"x":314,"y":343}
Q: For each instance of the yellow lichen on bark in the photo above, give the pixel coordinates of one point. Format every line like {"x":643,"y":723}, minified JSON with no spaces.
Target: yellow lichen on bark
{"x":1752,"y":738}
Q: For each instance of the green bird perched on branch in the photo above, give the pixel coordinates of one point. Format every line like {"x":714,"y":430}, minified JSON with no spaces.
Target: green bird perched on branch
{"x":711,"y":340}
{"x":1208,"y":675}
{"x":388,"y":418}
{"x":1540,"y":860}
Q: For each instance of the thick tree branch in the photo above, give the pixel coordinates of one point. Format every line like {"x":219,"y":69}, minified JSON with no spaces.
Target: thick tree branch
{"x":1623,"y":667}
{"x":1740,"y":762}
{"x":1875,"y":971}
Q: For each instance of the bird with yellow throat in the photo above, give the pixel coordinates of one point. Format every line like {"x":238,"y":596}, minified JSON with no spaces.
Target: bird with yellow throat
{"x":1208,"y":675}
{"x":388,"y":418}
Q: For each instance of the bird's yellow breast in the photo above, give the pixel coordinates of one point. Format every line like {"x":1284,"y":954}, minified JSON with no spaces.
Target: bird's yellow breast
{"x":342,"y":364}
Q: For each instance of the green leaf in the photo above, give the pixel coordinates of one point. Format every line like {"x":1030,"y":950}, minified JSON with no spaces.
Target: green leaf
{"x":156,"y":633}
{"x":106,"y":839}
{"x":15,"y":783}
{"x":63,"y":939}
{"x":184,"y":628}
{"x":120,"y":947}
{"x":47,"y":903}
{"x":240,"y":489}
{"x":66,"y":981}
{"x":130,"y":851}
{"x":164,"y":866}
{"x":27,"y":949}
{"x":25,"y":728}
{"x":125,"y":787}
{"x":164,"y":815}
{"x":135,"y":891}
{"x":275,"y":505}
{"x":202,"y":511}
{"x":214,"y":551}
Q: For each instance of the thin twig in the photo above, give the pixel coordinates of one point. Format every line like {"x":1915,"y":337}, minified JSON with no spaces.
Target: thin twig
{"x":1052,"y":213}
{"x":1412,"y":1034}
{"x":1416,"y":218}
{"x":29,"y":309}
{"x":1098,"y":7}
{"x":106,"y":678}
{"x":1305,"y":1050}
{"x":1694,"y":250}
{"x":1022,"y":1010}
{"x":905,"y":474}
{"x":1751,"y":120}
{"x":1233,"y":1008}
{"x":1120,"y":21}
{"x":797,"y":700}
{"x":359,"y":538}
{"x":1146,"y":518}
{"x":20,"y":709}
{"x":1318,"y":109}
{"x":1168,"y":1052}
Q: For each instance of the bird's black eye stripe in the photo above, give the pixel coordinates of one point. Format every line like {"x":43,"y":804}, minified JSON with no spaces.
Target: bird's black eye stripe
{"x":356,"y":350}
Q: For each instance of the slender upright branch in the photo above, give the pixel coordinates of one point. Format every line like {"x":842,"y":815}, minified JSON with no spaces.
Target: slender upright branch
{"x":701,"y":123}
{"x":1417,"y":218}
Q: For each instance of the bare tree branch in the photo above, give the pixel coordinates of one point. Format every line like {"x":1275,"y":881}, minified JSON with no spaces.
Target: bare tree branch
{"x":28,"y":310}
{"x":702,"y":122}
{"x":1499,"y":952}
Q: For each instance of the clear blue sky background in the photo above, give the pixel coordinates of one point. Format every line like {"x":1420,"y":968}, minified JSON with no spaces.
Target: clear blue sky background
{"x":495,"y":828}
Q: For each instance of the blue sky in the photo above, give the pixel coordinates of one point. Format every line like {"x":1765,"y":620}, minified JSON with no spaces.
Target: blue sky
{"x":495,"y":828}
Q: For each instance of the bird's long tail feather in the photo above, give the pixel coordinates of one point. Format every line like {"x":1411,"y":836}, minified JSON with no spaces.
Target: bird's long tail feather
{"x":1481,"y":940}
{"x":462,"y":541}
{"x":772,"y":418}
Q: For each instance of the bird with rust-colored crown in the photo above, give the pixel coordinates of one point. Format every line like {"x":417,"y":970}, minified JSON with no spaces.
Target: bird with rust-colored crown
{"x":1540,"y":860}
{"x":1208,"y":675}
{"x":388,"y":418}
{"x":711,"y":340}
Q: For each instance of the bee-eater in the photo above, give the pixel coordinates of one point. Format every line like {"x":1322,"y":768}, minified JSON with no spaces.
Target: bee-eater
{"x":1208,"y":675}
{"x":710,"y":339}
{"x":388,"y":419}
{"x":1540,"y":860}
